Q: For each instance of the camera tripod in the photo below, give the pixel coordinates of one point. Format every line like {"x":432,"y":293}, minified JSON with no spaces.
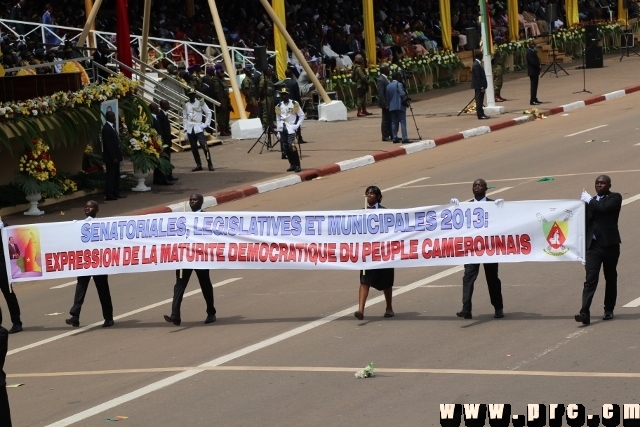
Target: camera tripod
{"x":628,"y":37}
{"x":266,"y":139}
{"x":414,"y":119}
{"x":555,"y":63}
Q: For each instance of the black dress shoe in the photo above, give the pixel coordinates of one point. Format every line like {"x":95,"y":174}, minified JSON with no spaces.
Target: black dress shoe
{"x":210,"y":318}
{"x":582,"y":318}
{"x":73,"y":321}
{"x":172,"y":320}
{"x":464,"y":314}
{"x":108,"y":323}
{"x":121,"y":196}
{"x":291,"y":168}
{"x":197,"y":168}
{"x":406,"y":141}
{"x":211,"y":168}
{"x":499,"y":314}
{"x":302,"y":141}
{"x":396,"y":141}
{"x":608,"y":315}
{"x":297,"y":169}
{"x":171,"y":178}
{"x":17,"y":327}
{"x":535,"y":103}
{"x":484,"y":118}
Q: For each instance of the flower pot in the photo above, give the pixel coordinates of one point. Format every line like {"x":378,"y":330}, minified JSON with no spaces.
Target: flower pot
{"x":140,"y":176}
{"x":33,"y":201}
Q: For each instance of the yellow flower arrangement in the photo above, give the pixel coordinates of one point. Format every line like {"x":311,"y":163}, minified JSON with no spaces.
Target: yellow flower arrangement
{"x":37,"y":163}
{"x":143,"y":145}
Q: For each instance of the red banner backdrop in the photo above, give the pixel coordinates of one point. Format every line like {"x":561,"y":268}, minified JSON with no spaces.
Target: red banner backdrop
{"x":123,"y":35}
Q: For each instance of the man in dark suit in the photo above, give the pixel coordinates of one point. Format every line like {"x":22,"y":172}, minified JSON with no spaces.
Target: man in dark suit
{"x":533,"y":71}
{"x":112,"y":156}
{"x":100,"y":57}
{"x":603,"y":247}
{"x":381,"y":84}
{"x":479,"y":83}
{"x":490,"y":270}
{"x":294,"y":91}
{"x":102,"y":285}
{"x":5,"y":411}
{"x":7,"y":289}
{"x":158,"y":177}
{"x":14,"y":250}
{"x":183,"y":276}
{"x":165,"y":131}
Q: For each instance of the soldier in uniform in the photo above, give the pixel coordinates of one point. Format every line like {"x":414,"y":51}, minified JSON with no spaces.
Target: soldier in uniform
{"x":497,"y":68}
{"x":195,"y":76}
{"x":248,"y":89}
{"x":221,"y":94}
{"x":192,"y":115}
{"x":362,"y":84}
{"x":289,"y":118}
{"x":266,"y":92}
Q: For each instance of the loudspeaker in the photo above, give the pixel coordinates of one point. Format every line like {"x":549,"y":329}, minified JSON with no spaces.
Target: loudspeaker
{"x":591,"y":35}
{"x":551,"y":13}
{"x":260,"y":55}
{"x":473,"y":41}
{"x":593,"y":57}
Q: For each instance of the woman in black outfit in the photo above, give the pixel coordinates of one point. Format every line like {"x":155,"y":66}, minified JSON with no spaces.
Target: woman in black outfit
{"x":380,"y":278}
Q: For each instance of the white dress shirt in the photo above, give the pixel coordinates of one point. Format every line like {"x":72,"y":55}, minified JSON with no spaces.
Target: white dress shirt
{"x":287,"y":114}
{"x":192,"y":116}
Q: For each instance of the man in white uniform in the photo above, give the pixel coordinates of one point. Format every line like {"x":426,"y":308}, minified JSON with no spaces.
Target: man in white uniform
{"x":194,"y":128}
{"x":289,"y":118}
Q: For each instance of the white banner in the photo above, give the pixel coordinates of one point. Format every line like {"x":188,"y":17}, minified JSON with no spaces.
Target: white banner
{"x":551,"y":230}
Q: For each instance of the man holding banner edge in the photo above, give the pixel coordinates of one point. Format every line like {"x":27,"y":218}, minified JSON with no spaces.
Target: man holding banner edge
{"x":471,"y":271}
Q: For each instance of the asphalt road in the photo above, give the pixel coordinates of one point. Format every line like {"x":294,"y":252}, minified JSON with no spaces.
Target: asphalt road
{"x":286,"y":345}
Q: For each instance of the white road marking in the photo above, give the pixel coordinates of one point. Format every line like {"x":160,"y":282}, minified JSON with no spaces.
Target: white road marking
{"x":528,"y":177}
{"x":548,"y":350}
{"x":633,"y":304}
{"x":242,"y":352}
{"x":405,"y":183}
{"x":333,"y":369}
{"x":586,"y":130}
{"x":122,"y":316}
{"x":64,"y":285}
{"x":493,"y":192}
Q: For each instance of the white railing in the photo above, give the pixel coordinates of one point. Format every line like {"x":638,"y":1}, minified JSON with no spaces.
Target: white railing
{"x":175,"y":51}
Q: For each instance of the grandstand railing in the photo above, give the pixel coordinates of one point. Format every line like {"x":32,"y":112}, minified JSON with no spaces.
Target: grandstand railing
{"x":175,"y":51}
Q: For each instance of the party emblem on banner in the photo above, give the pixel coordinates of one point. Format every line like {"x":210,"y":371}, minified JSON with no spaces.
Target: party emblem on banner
{"x":555,"y":233}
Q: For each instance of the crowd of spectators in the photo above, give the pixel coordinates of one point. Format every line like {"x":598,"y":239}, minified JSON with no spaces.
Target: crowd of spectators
{"x":330,"y":31}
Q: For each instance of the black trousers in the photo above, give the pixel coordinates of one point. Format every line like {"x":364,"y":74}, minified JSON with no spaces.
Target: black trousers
{"x":493,"y":282}
{"x":385,"y":124}
{"x":102,"y":285}
{"x":534,"y":88}
{"x":607,"y":257}
{"x":10,"y":297}
{"x":181,"y":285}
{"x":5,"y":412}
{"x":194,"y":140}
{"x":112,"y":184}
{"x":288,"y":143}
{"x":479,"y":103}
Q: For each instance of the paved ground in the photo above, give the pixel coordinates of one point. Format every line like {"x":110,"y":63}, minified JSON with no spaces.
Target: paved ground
{"x":435,"y":113}
{"x":286,"y":346}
